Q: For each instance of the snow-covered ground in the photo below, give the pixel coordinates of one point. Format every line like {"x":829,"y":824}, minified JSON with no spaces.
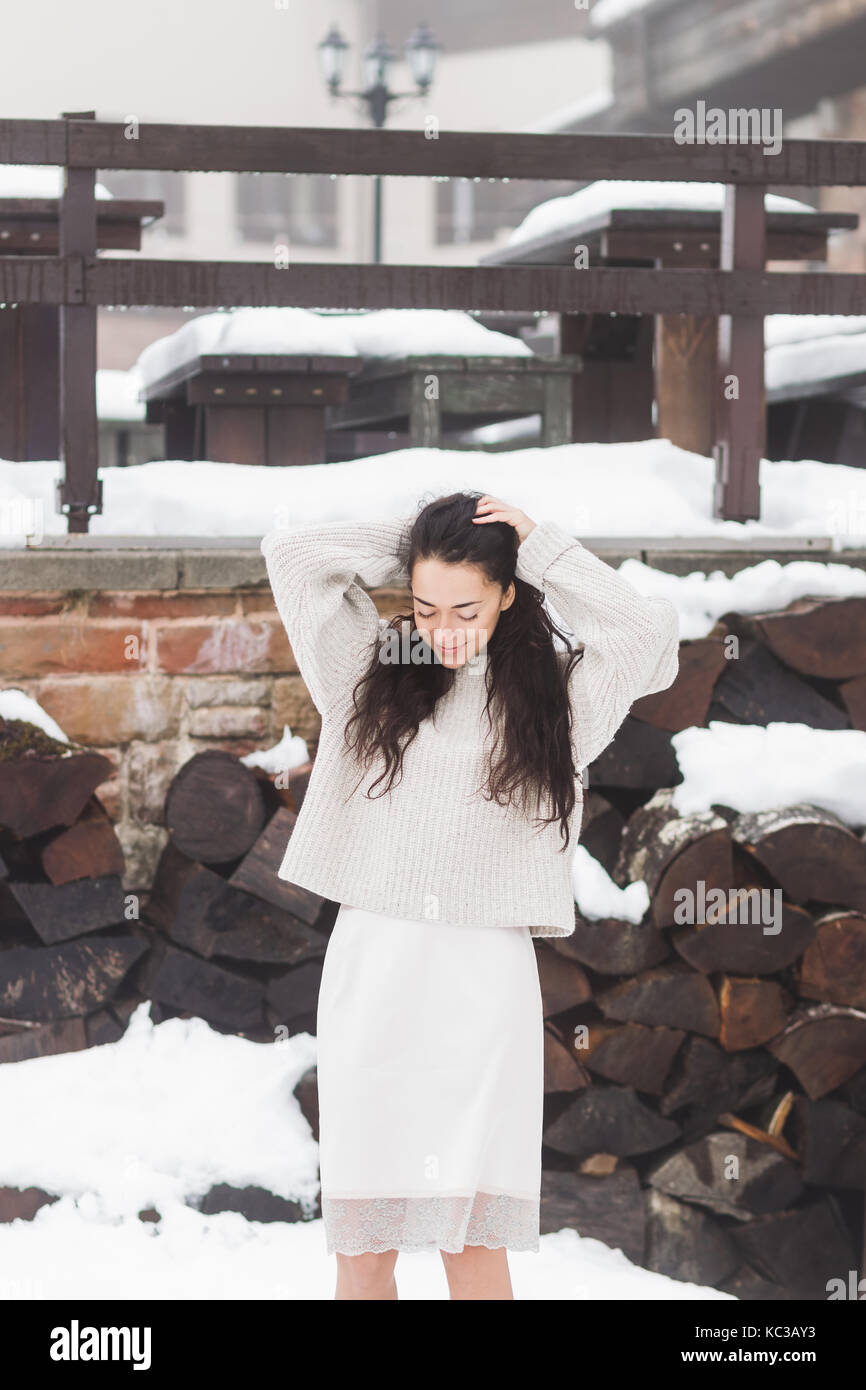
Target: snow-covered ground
{"x":646,"y":489}
{"x":173,"y":1109}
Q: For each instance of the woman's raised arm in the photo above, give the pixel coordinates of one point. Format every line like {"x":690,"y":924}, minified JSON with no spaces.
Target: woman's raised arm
{"x":631,"y":642}
{"x":332,"y":624}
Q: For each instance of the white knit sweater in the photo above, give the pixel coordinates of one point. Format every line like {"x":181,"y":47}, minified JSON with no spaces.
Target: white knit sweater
{"x":432,"y":848}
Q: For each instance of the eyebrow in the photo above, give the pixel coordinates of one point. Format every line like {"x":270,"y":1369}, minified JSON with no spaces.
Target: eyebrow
{"x":468,"y":604}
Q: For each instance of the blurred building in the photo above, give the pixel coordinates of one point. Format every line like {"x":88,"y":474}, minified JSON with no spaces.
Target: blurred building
{"x":505,"y":65}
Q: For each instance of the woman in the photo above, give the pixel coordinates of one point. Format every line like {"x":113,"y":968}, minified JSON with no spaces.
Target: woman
{"x":442,"y":813}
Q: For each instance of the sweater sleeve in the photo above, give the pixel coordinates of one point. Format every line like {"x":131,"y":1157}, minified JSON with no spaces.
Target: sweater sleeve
{"x":330,"y":621}
{"x":631,"y":641}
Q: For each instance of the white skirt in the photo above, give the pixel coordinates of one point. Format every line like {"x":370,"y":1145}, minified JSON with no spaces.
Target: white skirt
{"x":431,"y":1078}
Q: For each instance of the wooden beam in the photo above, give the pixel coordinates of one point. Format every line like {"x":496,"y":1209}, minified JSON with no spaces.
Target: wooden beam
{"x":517,"y":289}
{"x":40,"y":238}
{"x":30,"y":226}
{"x":454,"y":154}
{"x":467,"y":154}
{"x":603,"y":290}
{"x":41,"y":280}
{"x":79,"y":491}
{"x":107,"y":209}
{"x":741,"y":411}
{"x":694,"y":249}
{"x":25,"y":141}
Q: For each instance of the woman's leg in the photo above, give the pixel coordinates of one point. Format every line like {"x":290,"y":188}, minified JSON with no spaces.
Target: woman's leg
{"x":476,"y":1272}
{"x":370,"y":1275}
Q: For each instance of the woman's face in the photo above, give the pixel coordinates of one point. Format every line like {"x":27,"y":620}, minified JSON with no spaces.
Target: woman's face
{"x":456,"y":608}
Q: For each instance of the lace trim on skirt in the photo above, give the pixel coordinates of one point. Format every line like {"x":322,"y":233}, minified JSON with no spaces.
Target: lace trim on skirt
{"x":358,"y":1225}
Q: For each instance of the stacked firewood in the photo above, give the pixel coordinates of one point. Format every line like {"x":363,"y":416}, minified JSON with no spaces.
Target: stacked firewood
{"x":705,"y":1105}
{"x":67,"y":941}
{"x":219,"y":937}
{"x":231,"y":942}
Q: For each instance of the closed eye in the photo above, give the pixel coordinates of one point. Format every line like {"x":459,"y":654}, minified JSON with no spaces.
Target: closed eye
{"x":466,"y":618}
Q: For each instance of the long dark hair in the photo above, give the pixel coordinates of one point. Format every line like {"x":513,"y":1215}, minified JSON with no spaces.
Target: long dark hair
{"x":527,"y":684}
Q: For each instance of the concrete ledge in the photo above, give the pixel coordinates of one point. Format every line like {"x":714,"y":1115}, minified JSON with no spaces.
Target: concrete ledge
{"x":172,"y":563}
{"x":45,"y":569}
{"x":627,"y":544}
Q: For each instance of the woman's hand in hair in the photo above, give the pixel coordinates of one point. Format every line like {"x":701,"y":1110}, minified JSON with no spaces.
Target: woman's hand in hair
{"x":492,"y":509}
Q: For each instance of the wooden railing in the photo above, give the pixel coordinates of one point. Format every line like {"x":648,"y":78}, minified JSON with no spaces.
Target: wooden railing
{"x":740,"y":293}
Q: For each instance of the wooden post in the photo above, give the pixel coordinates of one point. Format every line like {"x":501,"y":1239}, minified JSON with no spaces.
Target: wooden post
{"x":29,"y":419}
{"x":556,"y":425}
{"x":741,"y":406}
{"x":612,"y":395}
{"x":79,"y":491}
{"x":686,"y":380}
{"x":425,"y":414}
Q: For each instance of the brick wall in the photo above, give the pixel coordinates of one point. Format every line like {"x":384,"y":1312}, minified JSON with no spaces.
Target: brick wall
{"x":151,"y":677}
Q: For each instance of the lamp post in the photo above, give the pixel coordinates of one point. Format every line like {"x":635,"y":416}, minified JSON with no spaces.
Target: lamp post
{"x":377,"y":96}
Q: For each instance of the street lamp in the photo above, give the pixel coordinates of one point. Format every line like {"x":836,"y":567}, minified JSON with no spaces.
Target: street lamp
{"x":376,"y":98}
{"x":378,"y":57}
{"x":421,"y":56}
{"x":331,"y":55}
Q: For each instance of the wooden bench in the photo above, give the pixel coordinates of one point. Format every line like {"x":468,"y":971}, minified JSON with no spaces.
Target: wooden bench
{"x":262,"y":408}
{"x":632,"y":361}
{"x":424,"y":398}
